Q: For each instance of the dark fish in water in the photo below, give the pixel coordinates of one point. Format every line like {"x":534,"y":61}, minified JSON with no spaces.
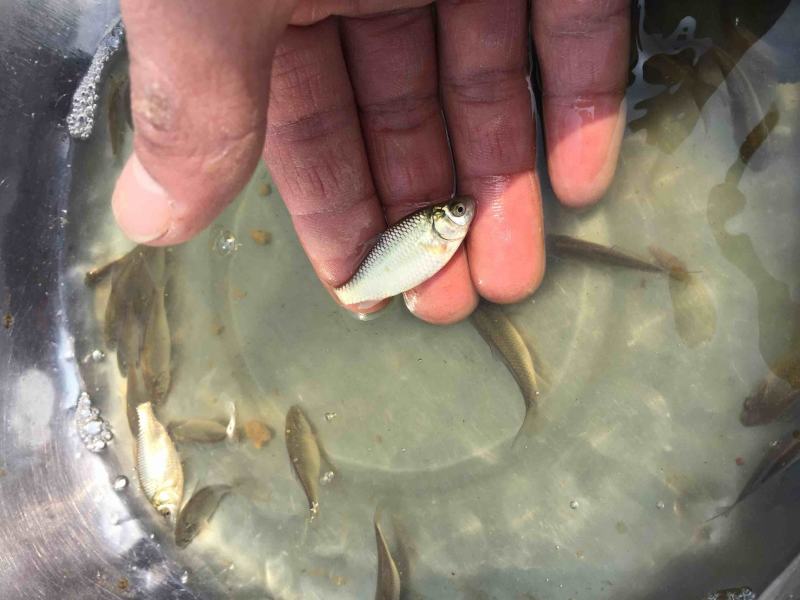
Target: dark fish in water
{"x":565,"y":246}
{"x":198,"y":512}
{"x":781,"y":456}
{"x":775,"y":395}
{"x":156,"y":349}
{"x":206,"y":431}
{"x":198,"y":430}
{"x":304,"y":454}
{"x":499,"y":332}
{"x":129,"y":345}
{"x":133,"y":279}
{"x":134,"y":396}
{"x":739,"y":593}
{"x":388,"y":584}
{"x":692,"y":306}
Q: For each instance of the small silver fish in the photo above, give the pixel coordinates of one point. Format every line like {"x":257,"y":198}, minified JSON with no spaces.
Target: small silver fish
{"x":780,"y":457}
{"x":565,"y":246}
{"x":156,"y":349}
{"x":204,"y":431}
{"x":158,"y":464}
{"x":499,"y":332}
{"x":198,"y":512}
{"x":410,"y":252}
{"x":304,"y":454}
{"x":388,"y":584}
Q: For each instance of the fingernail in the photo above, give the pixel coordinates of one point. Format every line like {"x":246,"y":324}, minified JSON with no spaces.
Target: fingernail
{"x":584,"y":140}
{"x":365,"y":306}
{"x":141,"y":206}
{"x":410,"y":300}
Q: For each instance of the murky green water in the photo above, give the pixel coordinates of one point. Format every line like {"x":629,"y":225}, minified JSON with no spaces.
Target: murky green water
{"x":639,"y":432}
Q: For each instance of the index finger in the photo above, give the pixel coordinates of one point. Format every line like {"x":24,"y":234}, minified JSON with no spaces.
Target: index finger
{"x":583,"y":51}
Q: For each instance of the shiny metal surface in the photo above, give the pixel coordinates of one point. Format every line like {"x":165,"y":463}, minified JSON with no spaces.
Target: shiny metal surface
{"x":64,"y":531}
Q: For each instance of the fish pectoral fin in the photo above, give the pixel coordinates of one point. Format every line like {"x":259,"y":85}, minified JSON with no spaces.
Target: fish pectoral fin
{"x":326,"y":465}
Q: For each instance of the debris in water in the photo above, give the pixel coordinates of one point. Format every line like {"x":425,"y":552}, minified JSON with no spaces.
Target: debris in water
{"x":258,"y":433}
{"x":8,"y":320}
{"x":573,"y":505}
{"x":327,"y":477}
{"x":330,"y":416}
{"x":81,"y":117}
{"x":264,"y":189}
{"x":660,"y":505}
{"x":261,"y":237}
{"x":120,"y":483}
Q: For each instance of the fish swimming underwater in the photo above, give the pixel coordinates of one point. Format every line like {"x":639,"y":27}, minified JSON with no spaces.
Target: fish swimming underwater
{"x":499,"y":332}
{"x":198,"y":512}
{"x":410,"y":252}
{"x":156,"y":349}
{"x":158,"y":464}
{"x":304,"y":454}
{"x":565,"y":246}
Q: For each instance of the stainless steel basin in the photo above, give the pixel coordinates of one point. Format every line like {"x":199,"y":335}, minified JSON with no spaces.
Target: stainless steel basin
{"x":60,"y":516}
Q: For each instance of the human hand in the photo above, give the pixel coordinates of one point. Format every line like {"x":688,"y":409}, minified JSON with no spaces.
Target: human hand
{"x":358,"y":112}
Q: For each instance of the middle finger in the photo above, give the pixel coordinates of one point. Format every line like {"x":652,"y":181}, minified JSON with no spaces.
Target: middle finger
{"x":392,"y":64}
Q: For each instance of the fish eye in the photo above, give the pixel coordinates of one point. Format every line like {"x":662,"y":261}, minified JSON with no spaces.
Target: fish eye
{"x":459,"y":209}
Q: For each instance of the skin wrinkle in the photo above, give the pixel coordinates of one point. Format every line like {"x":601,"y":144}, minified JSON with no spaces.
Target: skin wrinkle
{"x":401,"y":114}
{"x":485,"y":36}
{"x":316,"y":125}
{"x":485,"y":86}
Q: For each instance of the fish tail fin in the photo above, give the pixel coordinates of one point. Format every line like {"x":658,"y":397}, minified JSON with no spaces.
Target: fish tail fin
{"x":530,"y":424}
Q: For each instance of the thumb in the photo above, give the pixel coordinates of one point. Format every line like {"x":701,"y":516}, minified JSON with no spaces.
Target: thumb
{"x":200,"y":72}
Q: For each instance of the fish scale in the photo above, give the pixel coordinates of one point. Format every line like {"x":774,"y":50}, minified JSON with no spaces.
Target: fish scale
{"x":158,"y":464}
